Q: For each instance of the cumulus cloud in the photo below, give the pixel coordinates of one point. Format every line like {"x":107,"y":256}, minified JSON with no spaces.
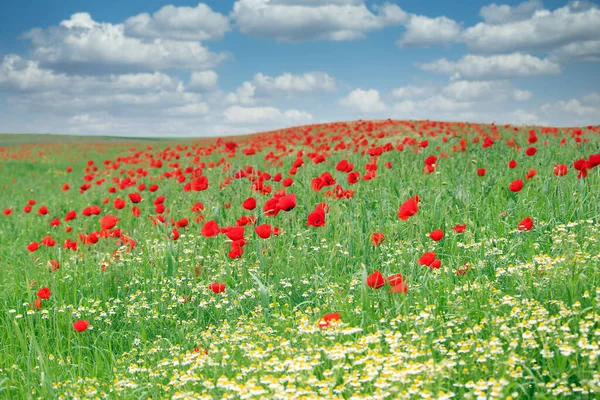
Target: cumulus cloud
{"x":500,"y":14}
{"x":203,"y":81}
{"x":313,"y":20}
{"x":574,"y":112}
{"x":243,"y":95}
{"x":366,"y":101}
{"x":511,"y":31}
{"x":189,"y":109}
{"x":179,"y":23}
{"x":410,"y":91}
{"x":485,"y":91}
{"x":430,"y":105}
{"x":287,"y":82}
{"x":425,"y":31}
{"x":263,"y":86}
{"x":84,"y":44}
{"x":18,"y":74}
{"x":255,"y":115}
{"x":588,"y":50}
{"x":503,"y":66}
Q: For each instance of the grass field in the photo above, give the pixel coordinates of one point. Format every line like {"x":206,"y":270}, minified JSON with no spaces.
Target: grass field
{"x":388,"y":259}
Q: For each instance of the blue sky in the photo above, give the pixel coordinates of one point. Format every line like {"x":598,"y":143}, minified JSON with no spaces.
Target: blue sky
{"x":152,"y":68}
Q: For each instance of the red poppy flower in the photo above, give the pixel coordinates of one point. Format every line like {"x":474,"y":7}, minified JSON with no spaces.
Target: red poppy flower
{"x":399,"y":288}
{"x":512,"y":164}
{"x":395,"y":279}
{"x":525,"y":225}
{"x":249,"y":203}
{"x":217,"y":287}
{"x":530,"y":174}
{"x":377,"y":238}
{"x":210,"y":228}
{"x":560,"y":169}
{"x":431,"y":160}
{"x":353,"y":177}
{"x":235,"y":233}
{"x":43,"y":293}
{"x":427,"y":258}
{"x":531,"y":151}
{"x":135,"y":211}
{"x":263,"y":231}
{"x":33,"y":246}
{"x":43,"y":210}
{"x":135,"y":197}
{"x":316,"y":218}
{"x":237,"y":249}
{"x":71,"y":215}
{"x":409,"y":208}
{"x":328,"y":318}
{"x":516,"y":186}
{"x":437,"y":263}
{"x":287,"y":182}
{"x":80,"y":325}
{"x":7,"y":211}
{"x":175,"y":234}
{"x":119,"y":203}
{"x":375,"y":280}
{"x":55,"y":222}
{"x":436,"y":235}
{"x":69,"y":244}
{"x":37,"y":304}
{"x":460,"y":228}
{"x":108,"y":221}
{"x":48,"y":241}
{"x":287,"y":202}
{"x":197,"y":207}
{"x":54,"y":265}
{"x":481,"y":171}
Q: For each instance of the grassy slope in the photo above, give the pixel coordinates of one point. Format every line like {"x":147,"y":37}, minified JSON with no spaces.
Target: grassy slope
{"x":524,"y":319}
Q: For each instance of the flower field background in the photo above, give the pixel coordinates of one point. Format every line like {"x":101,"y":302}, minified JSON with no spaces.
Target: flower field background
{"x":371,"y":259}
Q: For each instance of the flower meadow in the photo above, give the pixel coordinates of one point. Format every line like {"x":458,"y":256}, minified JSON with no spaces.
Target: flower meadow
{"x":368,"y":259}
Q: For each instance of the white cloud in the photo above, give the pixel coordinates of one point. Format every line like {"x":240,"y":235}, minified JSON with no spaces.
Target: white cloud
{"x":243,"y":95}
{"x":264,"y":86}
{"x":287,"y":82}
{"x":521,"y":95}
{"x":313,"y":20}
{"x":501,"y":14}
{"x":525,"y":117}
{"x":366,"y":101}
{"x":254,"y":115}
{"x":18,"y":74}
{"x":203,"y":81}
{"x":411,"y":108}
{"x":425,"y":31}
{"x":189,"y":109}
{"x":82,"y":42}
{"x":588,"y":50}
{"x":582,"y":111}
{"x":409,"y":92}
{"x":26,"y":75}
{"x":179,"y":23}
{"x":485,"y":91}
{"x":576,"y":22}
{"x":493,"y":67}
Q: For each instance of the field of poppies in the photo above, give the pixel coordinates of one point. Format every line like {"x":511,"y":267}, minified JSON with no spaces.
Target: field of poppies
{"x":369,"y":259}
